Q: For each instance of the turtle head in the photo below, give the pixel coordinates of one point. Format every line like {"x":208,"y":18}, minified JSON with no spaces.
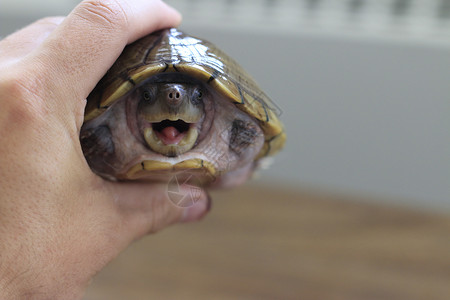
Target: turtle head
{"x":170,"y":115}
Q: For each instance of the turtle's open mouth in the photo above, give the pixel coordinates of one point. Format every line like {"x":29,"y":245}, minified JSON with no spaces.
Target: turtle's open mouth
{"x":171,"y":132}
{"x":171,"y":138}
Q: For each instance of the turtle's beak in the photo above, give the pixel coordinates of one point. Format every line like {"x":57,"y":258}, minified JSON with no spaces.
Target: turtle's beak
{"x":170,"y":140}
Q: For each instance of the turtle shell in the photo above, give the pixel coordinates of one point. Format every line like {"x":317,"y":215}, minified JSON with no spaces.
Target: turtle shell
{"x":171,"y":50}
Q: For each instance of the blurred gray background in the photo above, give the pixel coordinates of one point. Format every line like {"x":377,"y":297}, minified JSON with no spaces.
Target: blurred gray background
{"x":364,"y":86}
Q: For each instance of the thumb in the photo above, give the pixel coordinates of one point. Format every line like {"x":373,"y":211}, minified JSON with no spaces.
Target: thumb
{"x":149,"y":207}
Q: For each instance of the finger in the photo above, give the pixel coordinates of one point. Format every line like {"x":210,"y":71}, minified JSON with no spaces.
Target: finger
{"x":148,"y":208}
{"x":22,"y":42}
{"x":85,"y":45}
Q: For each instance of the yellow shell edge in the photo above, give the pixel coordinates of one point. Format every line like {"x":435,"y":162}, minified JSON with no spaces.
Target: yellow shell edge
{"x":154,"y":165}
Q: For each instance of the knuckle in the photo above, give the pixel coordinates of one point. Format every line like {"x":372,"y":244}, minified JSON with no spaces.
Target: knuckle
{"x":108,"y":13}
{"x":20,"y":98}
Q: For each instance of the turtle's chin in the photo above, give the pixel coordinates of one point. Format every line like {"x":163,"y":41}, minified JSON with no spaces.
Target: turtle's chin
{"x":171,"y":138}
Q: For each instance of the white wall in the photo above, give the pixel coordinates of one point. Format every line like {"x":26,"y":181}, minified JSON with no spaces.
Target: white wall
{"x":365,"y":96}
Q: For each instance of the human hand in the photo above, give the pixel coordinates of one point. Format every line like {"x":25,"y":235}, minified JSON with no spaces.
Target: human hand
{"x":59,"y":222}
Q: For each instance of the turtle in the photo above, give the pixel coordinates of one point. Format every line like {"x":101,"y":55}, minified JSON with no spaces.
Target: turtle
{"x":173,"y":103}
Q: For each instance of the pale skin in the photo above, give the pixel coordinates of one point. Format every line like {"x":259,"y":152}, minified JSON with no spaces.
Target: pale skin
{"x":59,"y":222}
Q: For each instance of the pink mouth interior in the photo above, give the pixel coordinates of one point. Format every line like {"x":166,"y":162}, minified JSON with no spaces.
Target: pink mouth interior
{"x":170,"y":132}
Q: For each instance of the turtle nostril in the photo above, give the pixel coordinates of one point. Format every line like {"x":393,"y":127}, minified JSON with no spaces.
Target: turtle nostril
{"x":174,"y":95}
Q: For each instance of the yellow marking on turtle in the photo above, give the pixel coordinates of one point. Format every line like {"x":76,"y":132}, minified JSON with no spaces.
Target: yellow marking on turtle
{"x":196,"y":163}
{"x":196,"y":71}
{"x":93,"y":113}
{"x":272,"y":145}
{"x":111,"y":94}
{"x":154,"y":165}
{"x":148,"y":165}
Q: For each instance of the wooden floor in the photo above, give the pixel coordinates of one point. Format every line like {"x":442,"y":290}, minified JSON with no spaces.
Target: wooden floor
{"x":261,"y":243}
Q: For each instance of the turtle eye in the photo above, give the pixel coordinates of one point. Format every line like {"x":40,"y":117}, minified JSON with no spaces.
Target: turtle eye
{"x":147,"y":96}
{"x":197,"y":96}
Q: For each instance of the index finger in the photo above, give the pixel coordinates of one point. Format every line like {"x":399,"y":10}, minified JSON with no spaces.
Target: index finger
{"x":79,"y":52}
